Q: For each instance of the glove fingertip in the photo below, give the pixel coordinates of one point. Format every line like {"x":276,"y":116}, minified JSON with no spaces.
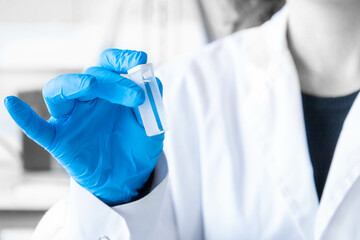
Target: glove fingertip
{"x":142,"y":57}
{"x":6,"y":100}
{"x":133,"y":98}
{"x":134,"y":58}
{"x":140,"y":97}
{"x":11,"y":102}
{"x":121,"y":61}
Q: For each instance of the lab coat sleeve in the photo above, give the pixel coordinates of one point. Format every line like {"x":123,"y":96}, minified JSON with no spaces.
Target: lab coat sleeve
{"x":83,"y":216}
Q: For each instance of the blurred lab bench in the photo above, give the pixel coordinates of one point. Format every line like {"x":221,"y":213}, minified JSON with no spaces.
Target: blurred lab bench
{"x":23,"y":205}
{"x":16,"y":234}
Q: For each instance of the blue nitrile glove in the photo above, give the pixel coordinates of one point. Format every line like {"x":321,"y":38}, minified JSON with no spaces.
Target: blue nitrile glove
{"x":93,"y":131}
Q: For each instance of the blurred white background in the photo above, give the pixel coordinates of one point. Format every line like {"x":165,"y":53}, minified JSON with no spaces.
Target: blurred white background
{"x":40,"y":39}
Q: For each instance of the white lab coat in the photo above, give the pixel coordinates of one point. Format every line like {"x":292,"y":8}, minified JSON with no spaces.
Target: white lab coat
{"x":237,"y":164}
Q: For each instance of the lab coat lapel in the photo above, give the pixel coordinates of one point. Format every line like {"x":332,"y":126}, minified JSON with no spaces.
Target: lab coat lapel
{"x":290,"y":166}
{"x":344,"y":170}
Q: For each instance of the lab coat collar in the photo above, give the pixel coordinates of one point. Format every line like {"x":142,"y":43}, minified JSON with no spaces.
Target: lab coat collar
{"x":277,"y":32}
{"x":290,"y":166}
{"x":292,"y":169}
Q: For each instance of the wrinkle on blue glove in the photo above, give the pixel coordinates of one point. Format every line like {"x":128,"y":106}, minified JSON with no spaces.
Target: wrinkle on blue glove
{"x":93,"y":132}
{"x":121,"y":61}
{"x":60,"y":93}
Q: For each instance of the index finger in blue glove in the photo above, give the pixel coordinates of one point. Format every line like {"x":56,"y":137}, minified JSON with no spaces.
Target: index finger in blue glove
{"x":60,"y":92}
{"x":121,"y":61}
{"x":30,"y":123}
{"x":115,"y":88}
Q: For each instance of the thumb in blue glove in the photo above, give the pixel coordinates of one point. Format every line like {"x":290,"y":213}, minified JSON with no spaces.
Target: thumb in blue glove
{"x":94,"y":132}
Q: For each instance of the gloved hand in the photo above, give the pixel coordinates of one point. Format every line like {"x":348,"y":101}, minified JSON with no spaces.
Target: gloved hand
{"x":93,"y":131}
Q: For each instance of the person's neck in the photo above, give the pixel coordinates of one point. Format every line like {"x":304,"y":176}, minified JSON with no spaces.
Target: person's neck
{"x":324,"y":39}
